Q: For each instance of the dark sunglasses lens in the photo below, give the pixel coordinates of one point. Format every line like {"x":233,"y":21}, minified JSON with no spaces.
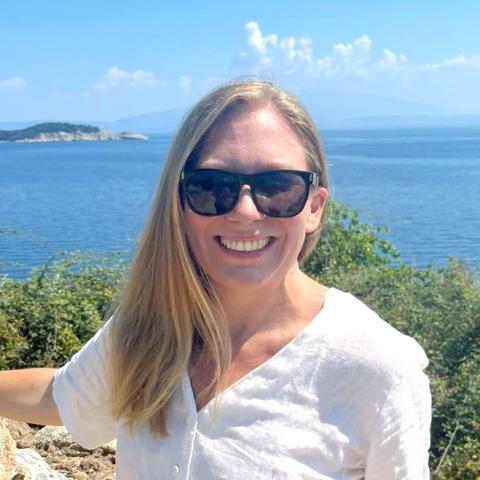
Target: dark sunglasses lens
{"x":280,"y":194}
{"x":211,"y":193}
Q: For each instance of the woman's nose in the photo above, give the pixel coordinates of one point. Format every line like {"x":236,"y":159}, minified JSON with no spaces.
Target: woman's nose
{"x":245,"y":210}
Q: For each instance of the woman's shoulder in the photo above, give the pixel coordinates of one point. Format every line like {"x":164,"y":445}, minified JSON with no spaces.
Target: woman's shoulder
{"x":354,"y":334}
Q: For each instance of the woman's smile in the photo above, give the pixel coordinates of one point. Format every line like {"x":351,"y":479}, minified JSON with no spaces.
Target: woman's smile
{"x":245,"y":245}
{"x":245,"y":248}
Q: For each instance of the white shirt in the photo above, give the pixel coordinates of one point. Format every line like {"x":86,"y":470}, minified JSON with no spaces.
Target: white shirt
{"x":346,"y":399}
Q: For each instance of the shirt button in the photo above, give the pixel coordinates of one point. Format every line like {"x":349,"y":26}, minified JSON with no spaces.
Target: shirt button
{"x":175,"y":470}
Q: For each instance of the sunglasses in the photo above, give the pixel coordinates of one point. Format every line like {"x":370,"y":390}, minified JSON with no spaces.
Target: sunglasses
{"x":276,"y":193}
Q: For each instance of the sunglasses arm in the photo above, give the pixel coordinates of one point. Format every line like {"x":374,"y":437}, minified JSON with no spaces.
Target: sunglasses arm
{"x":314,"y":179}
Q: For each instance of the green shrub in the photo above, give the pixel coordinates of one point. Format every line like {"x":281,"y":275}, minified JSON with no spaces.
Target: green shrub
{"x":346,"y":243}
{"x":45,"y":319}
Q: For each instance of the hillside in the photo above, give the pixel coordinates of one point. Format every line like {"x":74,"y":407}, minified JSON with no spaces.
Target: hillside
{"x":64,"y":132}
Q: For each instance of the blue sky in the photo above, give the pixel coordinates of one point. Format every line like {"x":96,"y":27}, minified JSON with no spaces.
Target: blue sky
{"x":106,"y":60}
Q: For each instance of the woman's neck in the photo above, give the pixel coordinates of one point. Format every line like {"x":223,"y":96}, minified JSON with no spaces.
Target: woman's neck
{"x":287,"y":304}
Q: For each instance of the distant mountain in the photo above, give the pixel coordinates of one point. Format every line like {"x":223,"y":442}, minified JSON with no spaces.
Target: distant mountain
{"x":336,"y":106}
{"x":402,"y":121}
{"x":158,"y":122}
{"x":330,"y":110}
{"x":162,"y":122}
{"x":64,"y":132}
{"x":336,"y":111}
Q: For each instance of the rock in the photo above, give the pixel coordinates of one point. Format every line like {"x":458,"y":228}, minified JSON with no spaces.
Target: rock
{"x":48,"y":436}
{"x":22,"y":433}
{"x":7,"y":452}
{"x":51,"y":453}
{"x":132,"y":136}
{"x":109,"y":448}
{"x":102,"y":135}
{"x":31,"y":466}
{"x":21,"y":472}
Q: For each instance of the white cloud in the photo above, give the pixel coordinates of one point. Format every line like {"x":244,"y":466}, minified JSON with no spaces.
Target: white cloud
{"x":458,"y":62}
{"x":136,"y":79}
{"x":358,"y":51}
{"x":351,"y":58}
{"x":13,"y":83}
{"x":257,"y":41}
{"x":185,"y":84}
{"x":294,"y":55}
{"x":267,"y":52}
{"x":391,"y":62}
{"x":293,"y":58}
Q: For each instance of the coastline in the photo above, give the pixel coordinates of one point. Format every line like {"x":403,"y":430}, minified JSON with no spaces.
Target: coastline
{"x":68,"y":137}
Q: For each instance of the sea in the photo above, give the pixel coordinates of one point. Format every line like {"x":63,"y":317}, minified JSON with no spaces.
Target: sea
{"x":422,"y":184}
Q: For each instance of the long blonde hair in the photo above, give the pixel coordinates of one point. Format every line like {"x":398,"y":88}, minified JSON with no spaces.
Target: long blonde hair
{"x":168,"y":304}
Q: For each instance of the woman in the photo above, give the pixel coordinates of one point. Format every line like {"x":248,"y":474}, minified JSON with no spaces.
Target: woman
{"x":223,"y":360}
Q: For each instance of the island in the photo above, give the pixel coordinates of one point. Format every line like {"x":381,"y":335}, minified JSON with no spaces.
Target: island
{"x":65,"y":132}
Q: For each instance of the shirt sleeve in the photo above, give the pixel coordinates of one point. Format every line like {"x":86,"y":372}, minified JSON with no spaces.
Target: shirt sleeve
{"x":82,"y":394}
{"x":401,"y":435}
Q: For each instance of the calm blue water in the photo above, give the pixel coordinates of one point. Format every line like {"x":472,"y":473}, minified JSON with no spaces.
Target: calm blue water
{"x":422,"y":184}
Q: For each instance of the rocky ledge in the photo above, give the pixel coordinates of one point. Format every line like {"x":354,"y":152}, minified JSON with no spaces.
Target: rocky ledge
{"x":50,"y":453}
{"x":65,"y":132}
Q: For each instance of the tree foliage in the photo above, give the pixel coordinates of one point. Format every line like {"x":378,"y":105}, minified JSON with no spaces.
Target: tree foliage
{"x":45,"y":319}
{"x":347,"y":243}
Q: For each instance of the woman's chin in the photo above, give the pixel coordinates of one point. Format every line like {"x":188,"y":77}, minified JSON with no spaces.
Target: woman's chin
{"x":243,"y":280}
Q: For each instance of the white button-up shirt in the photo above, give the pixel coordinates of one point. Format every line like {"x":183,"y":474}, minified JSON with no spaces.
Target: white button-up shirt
{"x":346,"y":399}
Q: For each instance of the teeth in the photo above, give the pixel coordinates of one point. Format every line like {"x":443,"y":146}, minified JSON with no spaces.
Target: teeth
{"x":244,"y":246}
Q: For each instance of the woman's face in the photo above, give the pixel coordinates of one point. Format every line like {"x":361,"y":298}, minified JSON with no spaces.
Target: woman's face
{"x":252,"y":141}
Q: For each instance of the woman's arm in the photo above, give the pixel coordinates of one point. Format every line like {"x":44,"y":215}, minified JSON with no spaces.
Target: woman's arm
{"x":401,"y":439}
{"x":26,"y":395}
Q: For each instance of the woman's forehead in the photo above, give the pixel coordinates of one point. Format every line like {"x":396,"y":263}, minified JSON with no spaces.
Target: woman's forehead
{"x":255,"y":136}
{"x":259,"y":119}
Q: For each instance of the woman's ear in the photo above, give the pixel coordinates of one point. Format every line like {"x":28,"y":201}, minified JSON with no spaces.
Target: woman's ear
{"x":316,"y":203}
